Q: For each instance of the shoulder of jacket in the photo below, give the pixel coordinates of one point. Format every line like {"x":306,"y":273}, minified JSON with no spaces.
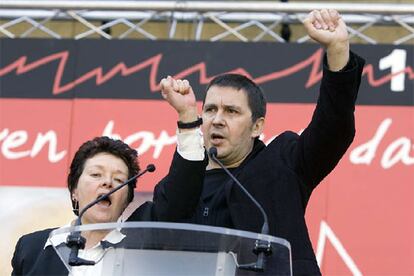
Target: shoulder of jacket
{"x":40,"y":235}
{"x":284,"y":138}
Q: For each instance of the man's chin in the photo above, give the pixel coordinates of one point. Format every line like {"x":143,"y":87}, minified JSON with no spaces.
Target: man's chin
{"x":221,"y":154}
{"x":219,"y":148}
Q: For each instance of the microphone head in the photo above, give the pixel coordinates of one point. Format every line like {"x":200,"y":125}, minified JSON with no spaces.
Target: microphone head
{"x":212,"y":152}
{"x":150,"y":167}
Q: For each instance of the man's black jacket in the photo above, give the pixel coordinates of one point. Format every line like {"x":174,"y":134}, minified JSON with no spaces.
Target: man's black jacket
{"x":282,"y":175}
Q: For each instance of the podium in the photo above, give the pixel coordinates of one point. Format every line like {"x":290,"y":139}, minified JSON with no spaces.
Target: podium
{"x":159,"y":248}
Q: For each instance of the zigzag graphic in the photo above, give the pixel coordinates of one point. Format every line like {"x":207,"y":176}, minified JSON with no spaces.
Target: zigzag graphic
{"x":20,"y":66}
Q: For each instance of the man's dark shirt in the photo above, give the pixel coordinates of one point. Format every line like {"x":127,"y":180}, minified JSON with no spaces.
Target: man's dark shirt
{"x":212,"y":208}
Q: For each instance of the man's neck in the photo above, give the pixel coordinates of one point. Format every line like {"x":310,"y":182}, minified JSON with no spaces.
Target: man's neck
{"x":213,"y":165}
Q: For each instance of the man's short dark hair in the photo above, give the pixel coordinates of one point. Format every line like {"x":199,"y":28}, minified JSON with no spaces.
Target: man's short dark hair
{"x":255,"y":96}
{"x":97,"y":145}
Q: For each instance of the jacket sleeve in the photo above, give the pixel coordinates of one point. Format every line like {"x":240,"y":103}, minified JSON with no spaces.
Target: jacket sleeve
{"x":177,"y":195}
{"x":17,"y":262}
{"x":318,"y":149}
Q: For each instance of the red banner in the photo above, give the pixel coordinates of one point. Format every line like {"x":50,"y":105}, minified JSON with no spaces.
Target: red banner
{"x":360,"y":218}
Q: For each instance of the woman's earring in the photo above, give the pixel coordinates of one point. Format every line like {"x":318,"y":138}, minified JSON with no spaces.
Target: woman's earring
{"x":75,"y":208}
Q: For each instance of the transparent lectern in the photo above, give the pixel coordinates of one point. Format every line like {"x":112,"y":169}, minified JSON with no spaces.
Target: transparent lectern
{"x":157,"y":248}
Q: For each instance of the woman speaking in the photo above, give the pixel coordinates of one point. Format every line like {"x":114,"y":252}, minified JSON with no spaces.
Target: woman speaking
{"x":99,"y":166}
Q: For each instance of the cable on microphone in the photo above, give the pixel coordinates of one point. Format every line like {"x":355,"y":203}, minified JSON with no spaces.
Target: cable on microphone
{"x":261,"y":248}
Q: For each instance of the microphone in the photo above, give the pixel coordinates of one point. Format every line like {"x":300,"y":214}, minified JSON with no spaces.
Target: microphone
{"x":75,"y":241}
{"x":261,"y":248}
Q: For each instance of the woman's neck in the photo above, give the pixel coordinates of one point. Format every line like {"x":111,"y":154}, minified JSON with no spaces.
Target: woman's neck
{"x":94,"y":237}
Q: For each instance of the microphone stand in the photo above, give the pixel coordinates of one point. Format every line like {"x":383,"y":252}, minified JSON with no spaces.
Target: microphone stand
{"x":75,"y":241}
{"x":261,"y":248}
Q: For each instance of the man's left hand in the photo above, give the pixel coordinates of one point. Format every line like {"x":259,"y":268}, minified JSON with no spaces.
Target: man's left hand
{"x":328,"y":29}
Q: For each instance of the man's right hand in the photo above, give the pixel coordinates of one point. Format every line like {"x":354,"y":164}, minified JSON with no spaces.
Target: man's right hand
{"x":180,"y":95}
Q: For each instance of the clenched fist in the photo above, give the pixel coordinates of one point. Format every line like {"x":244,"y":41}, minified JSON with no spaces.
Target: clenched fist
{"x":180,"y":95}
{"x":328,"y":29}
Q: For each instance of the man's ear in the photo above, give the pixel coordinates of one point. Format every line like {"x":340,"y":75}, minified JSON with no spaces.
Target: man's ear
{"x":258,"y":126}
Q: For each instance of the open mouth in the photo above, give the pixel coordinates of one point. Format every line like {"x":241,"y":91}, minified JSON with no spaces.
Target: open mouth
{"x":216,"y":137}
{"x":105,"y":202}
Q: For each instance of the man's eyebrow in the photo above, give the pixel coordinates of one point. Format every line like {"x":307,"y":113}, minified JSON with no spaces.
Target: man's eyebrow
{"x":209,"y":105}
{"x":230,"y":106}
{"x":223,"y":105}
